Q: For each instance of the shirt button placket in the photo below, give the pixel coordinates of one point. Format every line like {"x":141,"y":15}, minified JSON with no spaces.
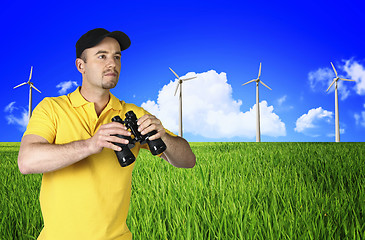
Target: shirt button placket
{"x":92,"y":118}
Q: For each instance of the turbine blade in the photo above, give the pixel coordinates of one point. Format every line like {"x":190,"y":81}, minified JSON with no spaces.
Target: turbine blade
{"x":20,"y":85}
{"x":249,"y":82}
{"x":347,"y":80}
{"x":30,"y":75}
{"x":187,"y":79}
{"x":265,"y":85}
{"x":35,"y":88}
{"x":334,"y":69}
{"x":259,"y":71}
{"x":334,"y":80}
{"x":174,"y":73}
{"x":177,"y":87}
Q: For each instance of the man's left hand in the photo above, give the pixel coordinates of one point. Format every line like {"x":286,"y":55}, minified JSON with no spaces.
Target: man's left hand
{"x":148,"y":123}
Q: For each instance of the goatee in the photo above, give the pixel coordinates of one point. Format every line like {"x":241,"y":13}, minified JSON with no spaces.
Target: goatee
{"x":109,"y":85}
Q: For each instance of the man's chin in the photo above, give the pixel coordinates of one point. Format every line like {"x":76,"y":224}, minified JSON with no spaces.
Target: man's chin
{"x":109,"y":85}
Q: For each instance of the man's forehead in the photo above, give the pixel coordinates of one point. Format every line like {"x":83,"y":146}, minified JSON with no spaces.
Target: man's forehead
{"x":109,"y":45}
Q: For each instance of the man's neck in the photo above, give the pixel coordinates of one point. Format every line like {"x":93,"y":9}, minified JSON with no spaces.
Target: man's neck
{"x":100,"y":98}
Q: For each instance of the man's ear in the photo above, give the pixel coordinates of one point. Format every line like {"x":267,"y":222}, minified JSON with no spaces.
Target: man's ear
{"x":80,"y":64}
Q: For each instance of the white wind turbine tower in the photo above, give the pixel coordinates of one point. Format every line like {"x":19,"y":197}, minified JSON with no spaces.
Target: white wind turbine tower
{"x":337,"y":123}
{"x":257,"y":80}
{"x":30,"y":91}
{"x":179,"y":84}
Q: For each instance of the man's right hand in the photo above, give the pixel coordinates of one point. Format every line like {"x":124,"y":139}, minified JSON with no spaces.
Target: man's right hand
{"x":104,"y":137}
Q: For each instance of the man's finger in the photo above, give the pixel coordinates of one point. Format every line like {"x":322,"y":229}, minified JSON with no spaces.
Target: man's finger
{"x":116,"y":140}
{"x":113,"y":131}
{"x":112,"y":146}
{"x":156,"y":136}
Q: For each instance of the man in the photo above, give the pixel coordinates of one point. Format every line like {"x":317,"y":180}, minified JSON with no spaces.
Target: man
{"x":85,"y":194}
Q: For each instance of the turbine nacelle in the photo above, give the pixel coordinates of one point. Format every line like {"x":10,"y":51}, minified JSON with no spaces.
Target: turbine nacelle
{"x":257,"y":80}
{"x":31,"y":85}
{"x":180,"y":80}
{"x":338,"y":78}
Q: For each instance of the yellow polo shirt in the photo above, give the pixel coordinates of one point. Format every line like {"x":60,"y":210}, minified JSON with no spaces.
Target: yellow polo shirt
{"x":89,"y":199}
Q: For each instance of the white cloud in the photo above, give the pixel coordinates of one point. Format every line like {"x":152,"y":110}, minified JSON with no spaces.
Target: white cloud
{"x":10,"y":107}
{"x":356,"y":72}
{"x":357,"y":118}
{"x":360,"y":118}
{"x":282,"y":100}
{"x":65,"y":86}
{"x":315,"y":122}
{"x":342,"y":131}
{"x":321,"y":79}
{"x":16,"y":116}
{"x":210,"y":111}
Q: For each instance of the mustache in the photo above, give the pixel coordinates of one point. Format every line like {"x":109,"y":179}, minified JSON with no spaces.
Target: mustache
{"x":111,"y":71}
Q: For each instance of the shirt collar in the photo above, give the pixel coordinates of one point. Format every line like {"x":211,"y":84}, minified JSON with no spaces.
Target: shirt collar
{"x":78,"y":100}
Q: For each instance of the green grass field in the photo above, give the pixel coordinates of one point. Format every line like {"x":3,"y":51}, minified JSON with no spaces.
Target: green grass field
{"x":235,"y":191}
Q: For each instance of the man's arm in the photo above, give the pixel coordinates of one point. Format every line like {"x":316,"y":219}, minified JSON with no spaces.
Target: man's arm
{"x":178,"y":152}
{"x":36,"y":155}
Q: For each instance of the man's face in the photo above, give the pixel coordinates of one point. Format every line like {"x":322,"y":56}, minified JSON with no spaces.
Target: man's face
{"x":102,"y":66}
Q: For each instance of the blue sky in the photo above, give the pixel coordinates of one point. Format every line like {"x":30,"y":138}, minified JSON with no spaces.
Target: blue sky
{"x":222,"y":43}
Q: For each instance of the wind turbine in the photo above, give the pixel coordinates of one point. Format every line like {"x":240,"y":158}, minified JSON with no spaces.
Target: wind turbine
{"x":257,"y":80}
{"x":337,"y":123}
{"x":179,"y":84}
{"x":30,"y":91}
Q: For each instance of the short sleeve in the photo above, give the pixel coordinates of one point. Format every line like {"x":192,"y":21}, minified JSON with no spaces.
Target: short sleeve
{"x":42,"y":121}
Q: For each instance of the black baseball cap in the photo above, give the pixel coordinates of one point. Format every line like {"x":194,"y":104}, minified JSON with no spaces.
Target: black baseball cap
{"x":95,"y":36}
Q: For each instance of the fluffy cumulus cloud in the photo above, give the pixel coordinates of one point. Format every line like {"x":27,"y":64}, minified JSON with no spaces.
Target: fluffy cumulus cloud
{"x":210,"y":111}
{"x":321,"y":79}
{"x":16,"y":116}
{"x":65,"y":86}
{"x":315,"y":122}
{"x":356,"y":72}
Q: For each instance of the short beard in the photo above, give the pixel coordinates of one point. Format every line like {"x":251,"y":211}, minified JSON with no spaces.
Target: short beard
{"x":109,"y":85}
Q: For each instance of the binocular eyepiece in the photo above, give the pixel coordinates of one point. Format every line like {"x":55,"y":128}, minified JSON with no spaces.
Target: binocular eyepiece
{"x":125,"y":156}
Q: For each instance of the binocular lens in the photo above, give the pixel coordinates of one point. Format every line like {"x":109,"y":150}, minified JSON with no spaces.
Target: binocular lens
{"x":125,"y":157}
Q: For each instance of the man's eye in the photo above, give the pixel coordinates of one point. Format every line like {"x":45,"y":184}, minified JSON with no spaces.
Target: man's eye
{"x":101,"y":56}
{"x":117,"y":57}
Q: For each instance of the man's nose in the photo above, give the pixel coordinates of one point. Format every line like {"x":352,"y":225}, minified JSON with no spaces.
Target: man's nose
{"x":111,"y":62}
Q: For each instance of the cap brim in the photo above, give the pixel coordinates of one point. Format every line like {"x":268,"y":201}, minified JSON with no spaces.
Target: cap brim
{"x":121,"y":37}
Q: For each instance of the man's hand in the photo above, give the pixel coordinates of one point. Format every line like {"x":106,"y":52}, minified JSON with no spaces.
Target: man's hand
{"x":178,"y":152}
{"x":147,"y":123}
{"x":103,"y":137}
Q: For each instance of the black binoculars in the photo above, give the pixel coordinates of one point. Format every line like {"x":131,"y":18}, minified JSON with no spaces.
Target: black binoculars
{"x":125,"y":156}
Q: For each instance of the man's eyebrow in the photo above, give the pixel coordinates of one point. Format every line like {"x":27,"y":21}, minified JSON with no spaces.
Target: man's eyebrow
{"x":103,"y":51}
